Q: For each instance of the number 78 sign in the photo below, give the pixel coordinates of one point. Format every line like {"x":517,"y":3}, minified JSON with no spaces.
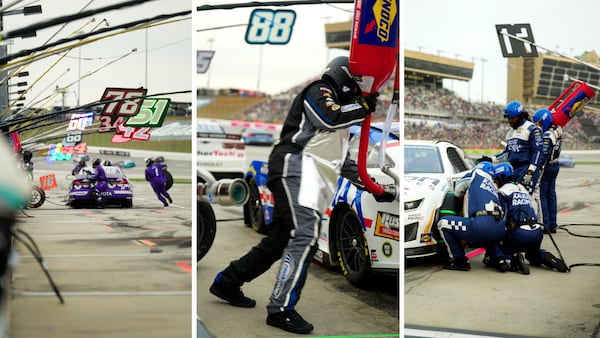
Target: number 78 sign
{"x":130,"y":113}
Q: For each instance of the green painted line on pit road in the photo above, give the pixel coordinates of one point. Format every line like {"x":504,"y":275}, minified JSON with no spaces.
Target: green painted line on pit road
{"x":362,"y":336}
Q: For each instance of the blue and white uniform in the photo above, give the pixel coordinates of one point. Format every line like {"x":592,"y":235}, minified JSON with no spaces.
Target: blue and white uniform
{"x":483,"y":224}
{"x":525,"y":234}
{"x":524,"y":150}
{"x":552,"y":144}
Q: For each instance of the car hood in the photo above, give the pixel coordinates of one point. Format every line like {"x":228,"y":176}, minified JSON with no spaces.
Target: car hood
{"x":417,"y":186}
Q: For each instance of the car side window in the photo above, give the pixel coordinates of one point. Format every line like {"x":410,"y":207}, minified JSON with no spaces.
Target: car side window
{"x":458,"y":165}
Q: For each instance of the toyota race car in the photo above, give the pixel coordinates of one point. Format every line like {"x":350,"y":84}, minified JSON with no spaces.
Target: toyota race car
{"x":430,"y":170}
{"x":119,"y":192}
{"x":358,"y":234}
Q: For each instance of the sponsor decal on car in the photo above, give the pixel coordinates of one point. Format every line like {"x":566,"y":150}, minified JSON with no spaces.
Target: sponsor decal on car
{"x":386,"y":249}
{"x":387,"y":225}
{"x":426,"y":238}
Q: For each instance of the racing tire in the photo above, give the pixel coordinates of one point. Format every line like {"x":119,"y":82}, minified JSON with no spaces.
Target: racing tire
{"x":127,"y":204}
{"x":207,"y":228}
{"x":169,"y":177}
{"x":37,"y":197}
{"x":352,"y":248}
{"x":253,"y":209}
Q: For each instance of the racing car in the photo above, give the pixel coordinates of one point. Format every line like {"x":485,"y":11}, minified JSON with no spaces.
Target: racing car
{"x":358,"y":234}
{"x":430,"y":170}
{"x":119,"y":192}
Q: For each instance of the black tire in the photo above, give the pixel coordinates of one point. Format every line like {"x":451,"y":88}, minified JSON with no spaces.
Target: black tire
{"x":169,"y":177}
{"x":127,"y":204}
{"x":352,"y":248}
{"x":37,"y":197}
{"x":207,"y":228}
{"x":253,"y":208}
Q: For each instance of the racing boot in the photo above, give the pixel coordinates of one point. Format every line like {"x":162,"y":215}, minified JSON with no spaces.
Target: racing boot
{"x":502,"y":266}
{"x":517,"y":264}
{"x":459,"y":263}
{"x":169,"y":198}
{"x":230,"y":293}
{"x":290,"y":321}
{"x":554,"y":262}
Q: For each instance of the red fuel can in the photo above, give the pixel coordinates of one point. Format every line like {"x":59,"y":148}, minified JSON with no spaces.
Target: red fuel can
{"x":375,"y":43}
{"x":570,"y":102}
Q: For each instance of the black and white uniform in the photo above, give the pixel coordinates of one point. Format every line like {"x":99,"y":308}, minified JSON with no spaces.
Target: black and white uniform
{"x":313,"y":122}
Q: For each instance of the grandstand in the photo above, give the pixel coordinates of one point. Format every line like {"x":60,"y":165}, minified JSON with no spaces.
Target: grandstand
{"x":432,"y":111}
{"x":236,"y":104}
{"x":226,"y":107}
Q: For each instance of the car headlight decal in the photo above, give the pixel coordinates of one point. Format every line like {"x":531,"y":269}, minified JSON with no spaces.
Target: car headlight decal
{"x":411,"y":205}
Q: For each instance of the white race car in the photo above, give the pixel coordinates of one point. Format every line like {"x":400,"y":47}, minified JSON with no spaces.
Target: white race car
{"x":223,"y":154}
{"x":358,"y":233}
{"x":430,"y":170}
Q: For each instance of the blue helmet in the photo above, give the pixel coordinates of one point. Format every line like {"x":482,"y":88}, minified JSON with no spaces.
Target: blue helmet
{"x":513,"y":109}
{"x":486,"y":166}
{"x":503,"y":171}
{"x":544,"y":117}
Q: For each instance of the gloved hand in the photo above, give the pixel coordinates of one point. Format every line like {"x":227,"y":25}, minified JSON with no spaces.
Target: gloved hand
{"x":369,"y":102}
{"x":389,"y":194}
{"x":527,"y":181}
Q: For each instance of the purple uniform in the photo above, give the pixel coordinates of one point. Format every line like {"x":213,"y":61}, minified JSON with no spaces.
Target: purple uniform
{"x":101,"y":182}
{"x":157,"y":179}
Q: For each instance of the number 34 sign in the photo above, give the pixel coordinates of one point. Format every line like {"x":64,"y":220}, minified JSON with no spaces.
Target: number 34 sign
{"x":130,"y":114}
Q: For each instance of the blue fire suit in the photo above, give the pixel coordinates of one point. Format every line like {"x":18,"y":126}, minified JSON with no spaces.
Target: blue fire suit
{"x":484,"y":225}
{"x":524,"y":151}
{"x":524,"y":233}
{"x":552,"y":143}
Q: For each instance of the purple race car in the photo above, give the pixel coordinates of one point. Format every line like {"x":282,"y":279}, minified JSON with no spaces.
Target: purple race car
{"x":119,"y":191}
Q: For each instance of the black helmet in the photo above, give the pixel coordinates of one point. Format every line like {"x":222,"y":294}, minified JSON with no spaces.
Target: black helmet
{"x":96,"y":162}
{"x":149,"y":161}
{"x":337,"y":74}
{"x":107,"y":163}
{"x":27,"y":155}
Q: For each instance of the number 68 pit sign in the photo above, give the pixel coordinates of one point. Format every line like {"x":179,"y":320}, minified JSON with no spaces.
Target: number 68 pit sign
{"x":130,"y":114}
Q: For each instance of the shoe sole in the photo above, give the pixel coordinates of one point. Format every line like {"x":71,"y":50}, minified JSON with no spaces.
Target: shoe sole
{"x":524,"y":269}
{"x":288,"y":329}
{"x":221,"y":295}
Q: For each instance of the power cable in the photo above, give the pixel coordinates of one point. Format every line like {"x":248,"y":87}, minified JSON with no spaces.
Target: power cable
{"x":271,"y":3}
{"x":130,"y":26}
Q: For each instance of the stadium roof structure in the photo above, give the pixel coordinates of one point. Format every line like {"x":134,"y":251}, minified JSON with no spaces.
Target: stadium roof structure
{"x":428,"y":68}
{"x":338,"y":34}
{"x":538,"y":81}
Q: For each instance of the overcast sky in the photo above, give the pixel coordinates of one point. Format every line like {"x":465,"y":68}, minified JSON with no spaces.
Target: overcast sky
{"x":237,"y":64}
{"x":163,"y":61}
{"x":465,"y":29}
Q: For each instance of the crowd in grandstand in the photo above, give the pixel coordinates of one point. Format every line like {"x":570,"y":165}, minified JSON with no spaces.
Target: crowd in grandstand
{"x":433,"y":114}
{"x":440,"y":114}
{"x":274,"y":108}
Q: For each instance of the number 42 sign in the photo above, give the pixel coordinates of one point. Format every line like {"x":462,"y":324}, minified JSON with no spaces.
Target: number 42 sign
{"x":130,"y":114}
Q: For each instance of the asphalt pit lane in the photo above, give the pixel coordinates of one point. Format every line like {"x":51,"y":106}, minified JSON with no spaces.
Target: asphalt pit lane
{"x":126,"y":226}
{"x":576,"y":206}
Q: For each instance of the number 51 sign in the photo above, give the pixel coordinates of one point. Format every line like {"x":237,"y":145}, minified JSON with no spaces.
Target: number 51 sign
{"x":131,"y":114}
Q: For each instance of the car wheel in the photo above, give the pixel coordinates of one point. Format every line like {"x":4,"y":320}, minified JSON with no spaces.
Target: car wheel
{"x":37,"y":197}
{"x":352,"y":248}
{"x":127,"y":204}
{"x":207,"y":228}
{"x":254,"y":208}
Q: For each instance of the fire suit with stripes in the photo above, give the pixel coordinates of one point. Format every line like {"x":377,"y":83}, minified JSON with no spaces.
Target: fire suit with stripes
{"x":315,"y":114}
{"x":483,"y":225}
